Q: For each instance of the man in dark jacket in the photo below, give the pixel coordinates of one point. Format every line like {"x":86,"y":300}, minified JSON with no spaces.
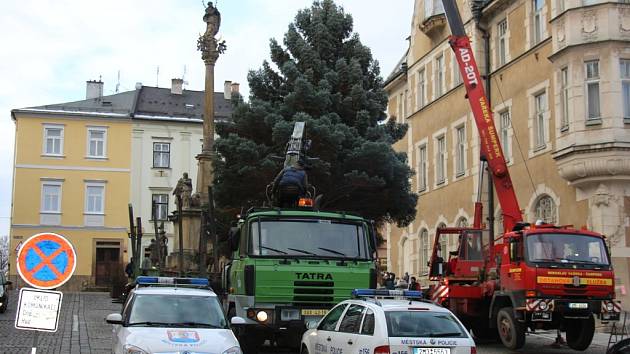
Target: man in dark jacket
{"x":290,"y":184}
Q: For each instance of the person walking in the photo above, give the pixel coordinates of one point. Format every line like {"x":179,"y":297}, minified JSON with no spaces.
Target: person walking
{"x":129,"y":269}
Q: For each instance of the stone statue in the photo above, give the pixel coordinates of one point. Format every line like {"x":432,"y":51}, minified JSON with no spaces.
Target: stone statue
{"x":153,"y":252}
{"x":213,"y":19}
{"x":183,"y":191}
{"x":163,"y":244}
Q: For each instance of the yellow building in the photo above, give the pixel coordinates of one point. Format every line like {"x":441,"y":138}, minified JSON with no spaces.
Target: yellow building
{"x":558,"y":73}
{"x":72,"y":177}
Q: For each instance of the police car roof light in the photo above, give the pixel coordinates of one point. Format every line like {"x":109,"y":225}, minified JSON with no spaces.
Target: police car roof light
{"x":145,"y":280}
{"x":356,"y":293}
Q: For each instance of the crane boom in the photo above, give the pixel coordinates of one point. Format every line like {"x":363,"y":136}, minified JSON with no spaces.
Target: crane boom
{"x":491,"y":150}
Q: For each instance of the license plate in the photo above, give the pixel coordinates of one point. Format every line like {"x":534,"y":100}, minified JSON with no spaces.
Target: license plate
{"x":578,"y":305}
{"x":314,"y":312}
{"x":431,"y":350}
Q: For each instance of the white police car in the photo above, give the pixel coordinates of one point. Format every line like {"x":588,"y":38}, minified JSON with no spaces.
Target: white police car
{"x":172,"y":315}
{"x":388,"y":322}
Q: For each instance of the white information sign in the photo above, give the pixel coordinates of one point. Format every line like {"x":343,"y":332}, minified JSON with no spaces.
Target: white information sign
{"x":38,"y":310}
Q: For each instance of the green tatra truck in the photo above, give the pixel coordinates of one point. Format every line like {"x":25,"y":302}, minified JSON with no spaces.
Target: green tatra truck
{"x":290,"y":266}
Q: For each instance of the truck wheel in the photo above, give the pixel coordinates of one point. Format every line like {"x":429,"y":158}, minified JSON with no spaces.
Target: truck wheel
{"x":511,"y":332}
{"x":580,"y":333}
{"x":304,"y":350}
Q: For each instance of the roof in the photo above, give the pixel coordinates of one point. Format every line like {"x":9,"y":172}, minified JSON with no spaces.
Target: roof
{"x":391,"y":304}
{"x":303,"y":213}
{"x":173,"y":290}
{"x":399,"y":304}
{"x":148,"y":103}
{"x":398,"y":69}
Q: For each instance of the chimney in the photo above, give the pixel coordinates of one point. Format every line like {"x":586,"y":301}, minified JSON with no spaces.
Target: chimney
{"x":227,"y":94}
{"x":94,"y":89}
{"x":177,"y":86}
{"x":234,"y":88}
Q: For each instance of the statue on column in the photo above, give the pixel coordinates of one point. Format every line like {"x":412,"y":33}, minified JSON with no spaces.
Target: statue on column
{"x":183,"y":191}
{"x":213,"y":19}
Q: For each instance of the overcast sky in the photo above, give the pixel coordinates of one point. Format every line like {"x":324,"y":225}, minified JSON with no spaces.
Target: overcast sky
{"x":50,"y":48}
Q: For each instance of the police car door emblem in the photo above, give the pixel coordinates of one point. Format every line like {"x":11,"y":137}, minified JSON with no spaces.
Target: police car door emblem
{"x":432,"y":341}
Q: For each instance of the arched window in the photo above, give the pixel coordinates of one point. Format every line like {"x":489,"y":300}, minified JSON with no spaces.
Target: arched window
{"x":453,"y":239}
{"x":425,"y":247}
{"x":545,"y":209}
{"x":443,"y":242}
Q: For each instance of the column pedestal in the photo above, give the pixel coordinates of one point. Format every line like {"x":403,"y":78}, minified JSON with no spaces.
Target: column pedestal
{"x":191,"y":227}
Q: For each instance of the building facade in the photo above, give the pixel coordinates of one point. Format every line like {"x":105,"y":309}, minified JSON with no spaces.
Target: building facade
{"x":167,"y":134}
{"x":558,"y":77}
{"x":79,"y":164}
{"x":71,"y":177}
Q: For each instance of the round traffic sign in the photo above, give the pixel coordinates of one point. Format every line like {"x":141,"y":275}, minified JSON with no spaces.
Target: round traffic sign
{"x":46,"y":260}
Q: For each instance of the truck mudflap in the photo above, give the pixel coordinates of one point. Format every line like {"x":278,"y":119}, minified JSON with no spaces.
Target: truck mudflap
{"x":546,"y":309}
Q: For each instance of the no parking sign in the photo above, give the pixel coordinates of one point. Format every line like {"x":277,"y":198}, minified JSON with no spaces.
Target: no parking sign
{"x":46,"y":261}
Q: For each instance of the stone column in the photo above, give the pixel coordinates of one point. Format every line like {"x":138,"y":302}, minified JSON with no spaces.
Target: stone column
{"x":210,"y":49}
{"x":189,"y":216}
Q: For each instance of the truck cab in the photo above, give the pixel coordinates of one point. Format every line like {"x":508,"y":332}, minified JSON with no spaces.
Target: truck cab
{"x":289,"y":267}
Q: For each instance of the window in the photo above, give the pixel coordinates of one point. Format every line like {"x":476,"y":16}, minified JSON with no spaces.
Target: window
{"x":460,"y":157}
{"x":179,"y":309}
{"x":504,"y":128}
{"x":564,"y":98}
{"x":406,"y":105}
{"x":352,"y":319}
{"x":51,"y":198}
{"x":624,"y":65}
{"x":97,"y":142}
{"x":422,"y":168}
{"x":457,"y":76}
{"x":540,"y":105}
{"x":545,"y":209}
{"x":592,"y":89}
{"x":53,"y":140}
{"x":94,"y":199}
{"x":443,"y":243}
{"x":161,"y":205}
{"x":421,"y":92}
{"x":539,"y":21}
{"x":424,"y":251}
{"x":440,"y":163}
{"x":330,"y":321}
{"x":439,"y":76}
{"x":368,"y":323}
{"x":161,"y":155}
{"x":431,"y":324}
{"x":454,"y":239}
{"x":502,"y":42}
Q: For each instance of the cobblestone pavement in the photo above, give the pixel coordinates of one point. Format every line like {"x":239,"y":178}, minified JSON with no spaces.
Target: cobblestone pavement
{"x":82,"y":328}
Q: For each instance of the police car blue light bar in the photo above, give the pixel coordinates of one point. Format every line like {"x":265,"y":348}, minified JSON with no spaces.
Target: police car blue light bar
{"x":386,"y":293}
{"x":145,"y":280}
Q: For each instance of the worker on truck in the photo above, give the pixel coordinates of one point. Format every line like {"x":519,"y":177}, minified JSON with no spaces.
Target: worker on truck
{"x":290,"y":185}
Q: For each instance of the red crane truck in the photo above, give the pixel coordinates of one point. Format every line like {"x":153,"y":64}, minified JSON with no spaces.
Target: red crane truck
{"x":533,"y":276}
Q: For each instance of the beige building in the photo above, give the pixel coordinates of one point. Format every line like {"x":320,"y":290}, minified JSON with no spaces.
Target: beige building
{"x":559,"y":74}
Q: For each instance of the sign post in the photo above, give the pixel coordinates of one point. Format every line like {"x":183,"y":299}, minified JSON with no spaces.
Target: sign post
{"x":45,"y":261}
